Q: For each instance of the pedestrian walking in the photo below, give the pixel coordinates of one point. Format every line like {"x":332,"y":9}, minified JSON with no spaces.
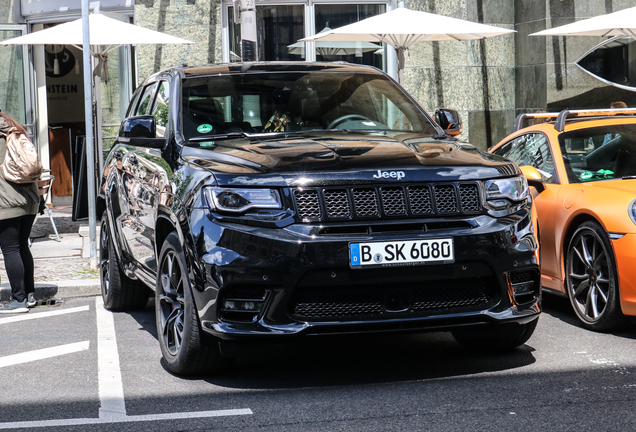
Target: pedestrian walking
{"x":19,"y":204}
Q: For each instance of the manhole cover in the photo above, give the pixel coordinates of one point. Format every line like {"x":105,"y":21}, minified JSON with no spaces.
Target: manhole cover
{"x":49,"y":303}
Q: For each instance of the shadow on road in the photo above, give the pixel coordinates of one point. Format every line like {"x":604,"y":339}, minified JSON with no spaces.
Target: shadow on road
{"x":365,"y":360}
{"x":560,"y":308}
{"x":347,"y":360}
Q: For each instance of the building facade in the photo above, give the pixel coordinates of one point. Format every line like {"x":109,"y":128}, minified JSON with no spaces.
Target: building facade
{"x":488,"y":81}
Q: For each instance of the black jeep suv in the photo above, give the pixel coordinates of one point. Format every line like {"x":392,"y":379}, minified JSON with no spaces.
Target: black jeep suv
{"x":270,"y":200}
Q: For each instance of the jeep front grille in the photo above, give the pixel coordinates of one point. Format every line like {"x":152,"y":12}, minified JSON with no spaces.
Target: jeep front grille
{"x":380,"y":301}
{"x":377,"y":202}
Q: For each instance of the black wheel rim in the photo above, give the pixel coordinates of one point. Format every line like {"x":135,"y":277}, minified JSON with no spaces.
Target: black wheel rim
{"x":171,"y":303}
{"x":590,"y":278}
{"x":104,"y":259}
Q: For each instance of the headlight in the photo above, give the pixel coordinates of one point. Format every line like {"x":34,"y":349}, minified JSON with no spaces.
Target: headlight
{"x":632,"y":210}
{"x":235,"y":200}
{"x":504,"y":193}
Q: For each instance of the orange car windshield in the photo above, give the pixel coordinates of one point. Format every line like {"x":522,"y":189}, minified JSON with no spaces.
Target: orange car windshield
{"x":600,"y":153}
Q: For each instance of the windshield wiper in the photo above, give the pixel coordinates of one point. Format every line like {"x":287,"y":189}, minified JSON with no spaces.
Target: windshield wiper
{"x":220,"y":136}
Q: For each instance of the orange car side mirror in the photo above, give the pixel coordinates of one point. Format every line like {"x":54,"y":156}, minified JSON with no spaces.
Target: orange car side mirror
{"x":534,"y":177}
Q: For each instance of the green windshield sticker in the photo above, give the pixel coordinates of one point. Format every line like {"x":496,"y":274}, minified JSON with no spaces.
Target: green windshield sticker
{"x":204,"y":128}
{"x":598,"y":175}
{"x":206,"y":144}
{"x":586,"y":175}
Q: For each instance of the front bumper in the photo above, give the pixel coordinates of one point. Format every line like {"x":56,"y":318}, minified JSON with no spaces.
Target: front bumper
{"x":625,"y":253}
{"x":276,"y":282}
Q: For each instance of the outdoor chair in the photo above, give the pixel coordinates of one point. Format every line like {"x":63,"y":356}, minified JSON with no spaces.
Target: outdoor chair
{"x":44,"y":186}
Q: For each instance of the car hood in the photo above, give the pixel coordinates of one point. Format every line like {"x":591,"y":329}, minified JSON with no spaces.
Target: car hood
{"x":336,"y":157}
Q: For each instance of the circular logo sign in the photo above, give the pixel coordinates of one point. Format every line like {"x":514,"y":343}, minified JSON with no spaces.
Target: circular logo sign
{"x":204,"y":128}
{"x":377,"y":258}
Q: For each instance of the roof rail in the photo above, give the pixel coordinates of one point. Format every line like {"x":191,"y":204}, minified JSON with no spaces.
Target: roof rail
{"x":559,"y":125}
{"x":522,"y":117}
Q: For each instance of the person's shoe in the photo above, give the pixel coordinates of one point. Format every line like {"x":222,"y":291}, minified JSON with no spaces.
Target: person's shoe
{"x":31,"y":301}
{"x":14,"y":306}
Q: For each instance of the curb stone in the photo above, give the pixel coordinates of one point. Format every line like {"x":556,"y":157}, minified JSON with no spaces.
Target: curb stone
{"x":58,"y":289}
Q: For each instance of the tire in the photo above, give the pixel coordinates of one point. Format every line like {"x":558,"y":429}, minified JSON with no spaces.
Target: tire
{"x":120,"y":293}
{"x":591,"y":281}
{"x":497,"y":338}
{"x":186,"y":349}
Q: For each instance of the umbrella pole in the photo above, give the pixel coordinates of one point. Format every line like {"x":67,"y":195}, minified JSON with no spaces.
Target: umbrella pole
{"x":90,"y":150}
{"x":400,"y":71}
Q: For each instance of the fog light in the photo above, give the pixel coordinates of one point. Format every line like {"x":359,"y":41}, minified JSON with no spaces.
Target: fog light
{"x":241,"y":306}
{"x":523,"y":288}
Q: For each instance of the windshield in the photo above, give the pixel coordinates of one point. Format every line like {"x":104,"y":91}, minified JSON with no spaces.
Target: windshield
{"x":297,"y":102}
{"x":599,"y":153}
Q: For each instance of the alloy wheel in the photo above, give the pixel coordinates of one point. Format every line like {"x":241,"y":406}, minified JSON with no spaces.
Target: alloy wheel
{"x":590,"y":276}
{"x":171,"y":303}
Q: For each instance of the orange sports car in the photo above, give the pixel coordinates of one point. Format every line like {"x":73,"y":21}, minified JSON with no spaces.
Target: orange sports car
{"x":581,"y":166}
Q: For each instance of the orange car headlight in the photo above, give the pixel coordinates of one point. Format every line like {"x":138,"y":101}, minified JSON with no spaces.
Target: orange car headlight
{"x":509,"y":193}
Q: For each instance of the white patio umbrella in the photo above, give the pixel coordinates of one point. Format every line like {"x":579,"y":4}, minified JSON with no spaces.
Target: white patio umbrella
{"x":104,"y":31}
{"x":328,"y":49}
{"x":334,"y":48}
{"x":620,"y":23}
{"x":101,"y":31}
{"x":402,"y":27}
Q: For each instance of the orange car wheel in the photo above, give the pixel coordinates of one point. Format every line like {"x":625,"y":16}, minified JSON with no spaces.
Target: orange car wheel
{"x":591,"y":278}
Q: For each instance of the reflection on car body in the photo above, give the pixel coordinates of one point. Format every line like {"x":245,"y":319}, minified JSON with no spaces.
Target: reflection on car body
{"x":245,"y":210}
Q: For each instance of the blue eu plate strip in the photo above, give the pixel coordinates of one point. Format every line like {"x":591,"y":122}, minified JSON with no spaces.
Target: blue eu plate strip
{"x":354,"y":253}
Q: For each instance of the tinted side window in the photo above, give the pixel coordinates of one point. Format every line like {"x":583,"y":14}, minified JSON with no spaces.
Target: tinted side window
{"x":531,"y":149}
{"x":145,"y":101}
{"x":160,"y":109}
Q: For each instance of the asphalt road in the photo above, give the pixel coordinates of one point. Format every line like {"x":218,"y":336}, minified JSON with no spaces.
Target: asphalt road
{"x":58,"y":366}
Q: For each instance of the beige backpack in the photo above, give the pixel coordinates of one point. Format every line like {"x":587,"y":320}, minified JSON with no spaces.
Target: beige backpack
{"x":21,"y":162}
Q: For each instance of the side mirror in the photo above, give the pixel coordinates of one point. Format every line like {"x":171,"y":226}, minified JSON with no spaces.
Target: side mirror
{"x":449,"y":120}
{"x":534,"y":177}
{"x":140,"y":131}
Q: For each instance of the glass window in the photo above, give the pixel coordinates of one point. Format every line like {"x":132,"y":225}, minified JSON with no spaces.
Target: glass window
{"x":12,"y":76}
{"x":160,"y":109}
{"x":116,"y":86}
{"x":599,"y":153}
{"x":332,"y":16}
{"x":531,"y":149}
{"x":145,"y":101}
{"x":296,"y":102}
{"x":613,"y":61}
{"x":278,"y":27}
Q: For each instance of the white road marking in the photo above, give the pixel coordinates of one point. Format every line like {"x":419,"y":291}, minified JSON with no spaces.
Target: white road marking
{"x":36,"y":315}
{"x":111,"y":388}
{"x":43,"y":353}
{"x":126,"y":419}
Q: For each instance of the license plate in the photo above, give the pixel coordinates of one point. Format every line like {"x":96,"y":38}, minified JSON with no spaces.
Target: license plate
{"x":397,"y":253}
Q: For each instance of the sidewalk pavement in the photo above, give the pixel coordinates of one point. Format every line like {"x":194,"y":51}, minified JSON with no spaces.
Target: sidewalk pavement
{"x":62,"y":269}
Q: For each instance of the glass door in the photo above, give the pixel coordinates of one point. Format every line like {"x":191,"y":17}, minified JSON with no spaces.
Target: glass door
{"x":278,"y":27}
